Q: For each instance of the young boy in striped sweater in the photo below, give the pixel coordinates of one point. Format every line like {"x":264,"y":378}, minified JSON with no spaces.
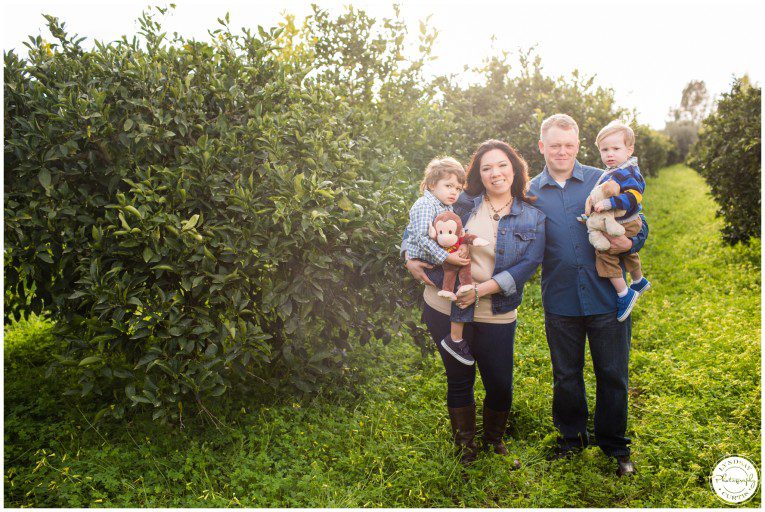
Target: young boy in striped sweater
{"x":616,"y":143}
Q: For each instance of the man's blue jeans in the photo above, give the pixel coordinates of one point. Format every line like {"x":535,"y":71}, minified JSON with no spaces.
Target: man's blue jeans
{"x":610,"y":350}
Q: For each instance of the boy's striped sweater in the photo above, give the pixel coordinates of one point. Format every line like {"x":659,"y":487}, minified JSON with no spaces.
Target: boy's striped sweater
{"x":631,"y":188}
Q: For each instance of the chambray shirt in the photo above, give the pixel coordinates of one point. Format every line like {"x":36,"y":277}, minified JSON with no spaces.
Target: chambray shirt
{"x":570,"y":284}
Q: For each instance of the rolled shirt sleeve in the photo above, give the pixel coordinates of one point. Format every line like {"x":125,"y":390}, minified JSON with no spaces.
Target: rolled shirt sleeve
{"x":639,"y":240}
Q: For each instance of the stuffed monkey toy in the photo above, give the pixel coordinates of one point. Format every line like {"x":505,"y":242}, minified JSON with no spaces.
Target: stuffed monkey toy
{"x":447,"y":231}
{"x":599,"y":222}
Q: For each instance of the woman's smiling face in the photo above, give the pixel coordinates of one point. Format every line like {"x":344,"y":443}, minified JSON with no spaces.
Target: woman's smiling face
{"x":496,"y":172}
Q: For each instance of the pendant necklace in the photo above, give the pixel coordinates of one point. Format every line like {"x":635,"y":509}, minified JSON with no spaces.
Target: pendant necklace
{"x":496,"y":212}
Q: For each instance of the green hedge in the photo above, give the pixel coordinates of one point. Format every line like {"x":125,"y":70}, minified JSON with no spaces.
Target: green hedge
{"x":728,"y":155}
{"x":194,"y":215}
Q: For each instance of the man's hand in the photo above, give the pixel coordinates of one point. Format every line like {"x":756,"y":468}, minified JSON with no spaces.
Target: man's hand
{"x":455,"y":259}
{"x":417,"y":269}
{"x":619,"y":244}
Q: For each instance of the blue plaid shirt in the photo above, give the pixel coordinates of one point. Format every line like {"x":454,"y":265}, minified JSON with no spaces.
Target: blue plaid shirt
{"x":418,"y":243}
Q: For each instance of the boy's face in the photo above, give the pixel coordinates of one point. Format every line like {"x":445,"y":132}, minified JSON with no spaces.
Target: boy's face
{"x":447,"y":190}
{"x":614,"y":151}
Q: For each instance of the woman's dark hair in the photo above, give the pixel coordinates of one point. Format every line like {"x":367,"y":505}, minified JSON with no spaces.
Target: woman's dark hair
{"x":520,"y":170}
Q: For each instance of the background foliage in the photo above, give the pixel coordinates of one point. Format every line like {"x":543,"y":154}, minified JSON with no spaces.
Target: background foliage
{"x":694,"y":397}
{"x":196,"y":216}
{"x":728,"y":155}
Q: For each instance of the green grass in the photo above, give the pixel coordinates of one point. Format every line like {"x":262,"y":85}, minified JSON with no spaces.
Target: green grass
{"x":695,"y":397}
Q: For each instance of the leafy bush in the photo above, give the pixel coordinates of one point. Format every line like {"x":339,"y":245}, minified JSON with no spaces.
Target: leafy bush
{"x":728,"y":155}
{"x":194,"y":214}
{"x":652,"y":148}
{"x":683,"y":134}
{"x":511,"y":104}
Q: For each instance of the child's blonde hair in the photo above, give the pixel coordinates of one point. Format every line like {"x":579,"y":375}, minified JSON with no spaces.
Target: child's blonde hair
{"x":616,"y":126}
{"x":440,"y":168}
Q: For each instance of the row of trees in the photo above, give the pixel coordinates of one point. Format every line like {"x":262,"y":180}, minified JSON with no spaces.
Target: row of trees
{"x":199,"y":215}
{"x":728,"y":155}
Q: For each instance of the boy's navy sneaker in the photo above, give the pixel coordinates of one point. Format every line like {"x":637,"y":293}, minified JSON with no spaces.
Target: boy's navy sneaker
{"x":625,"y":304}
{"x":460,"y":351}
{"x":641,"y":286}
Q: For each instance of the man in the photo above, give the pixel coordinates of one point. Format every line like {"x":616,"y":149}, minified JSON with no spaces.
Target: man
{"x":578,"y":304}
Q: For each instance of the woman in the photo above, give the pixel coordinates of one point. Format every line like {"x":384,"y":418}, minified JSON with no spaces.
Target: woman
{"x":494,"y":207}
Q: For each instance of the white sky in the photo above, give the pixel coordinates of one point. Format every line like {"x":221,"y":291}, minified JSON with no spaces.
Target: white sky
{"x":653,"y":49}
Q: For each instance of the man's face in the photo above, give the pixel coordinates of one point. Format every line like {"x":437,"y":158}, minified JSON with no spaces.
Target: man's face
{"x":559,"y":148}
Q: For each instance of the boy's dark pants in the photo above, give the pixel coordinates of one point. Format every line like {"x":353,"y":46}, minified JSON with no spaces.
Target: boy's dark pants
{"x":610,"y":348}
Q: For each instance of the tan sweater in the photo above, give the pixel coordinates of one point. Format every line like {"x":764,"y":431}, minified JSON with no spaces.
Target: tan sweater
{"x":482,"y":267}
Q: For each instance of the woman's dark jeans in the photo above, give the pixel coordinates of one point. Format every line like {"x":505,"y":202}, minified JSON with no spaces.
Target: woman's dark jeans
{"x":492,"y":347}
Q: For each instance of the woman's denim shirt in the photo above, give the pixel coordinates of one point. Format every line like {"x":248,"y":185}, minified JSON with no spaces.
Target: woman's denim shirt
{"x":519,"y":250}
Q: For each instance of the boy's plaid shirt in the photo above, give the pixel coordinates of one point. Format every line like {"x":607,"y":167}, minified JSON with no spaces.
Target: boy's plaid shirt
{"x":418,"y":244}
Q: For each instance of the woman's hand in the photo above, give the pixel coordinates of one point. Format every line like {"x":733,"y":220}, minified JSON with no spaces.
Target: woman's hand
{"x":417,"y":269}
{"x":455,"y":259}
{"x":466,"y":295}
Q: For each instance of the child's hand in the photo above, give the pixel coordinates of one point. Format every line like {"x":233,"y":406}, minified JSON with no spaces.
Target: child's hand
{"x":455,"y":259}
{"x":603,"y":206}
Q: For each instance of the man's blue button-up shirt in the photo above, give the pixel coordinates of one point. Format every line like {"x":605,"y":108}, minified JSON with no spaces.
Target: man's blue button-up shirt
{"x":570,"y":284}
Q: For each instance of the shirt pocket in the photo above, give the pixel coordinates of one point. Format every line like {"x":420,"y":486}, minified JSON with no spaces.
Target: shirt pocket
{"x":523,"y":239}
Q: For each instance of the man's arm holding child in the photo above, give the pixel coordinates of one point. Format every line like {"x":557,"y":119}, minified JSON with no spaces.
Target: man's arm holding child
{"x":620,"y":244}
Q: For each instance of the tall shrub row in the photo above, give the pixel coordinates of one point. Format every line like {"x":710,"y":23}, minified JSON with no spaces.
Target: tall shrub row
{"x":200,"y":215}
{"x":728,"y":155}
{"x":194,"y":215}
{"x":511,"y":104}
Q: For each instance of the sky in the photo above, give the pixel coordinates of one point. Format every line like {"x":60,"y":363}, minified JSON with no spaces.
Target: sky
{"x":646,"y":51}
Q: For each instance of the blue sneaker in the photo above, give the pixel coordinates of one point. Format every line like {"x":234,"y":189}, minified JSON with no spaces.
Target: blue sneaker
{"x":641,"y":286}
{"x":625,"y":304}
{"x":460,"y":351}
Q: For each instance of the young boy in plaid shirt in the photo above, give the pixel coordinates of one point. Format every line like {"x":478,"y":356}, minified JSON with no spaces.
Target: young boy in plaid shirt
{"x":441,"y":186}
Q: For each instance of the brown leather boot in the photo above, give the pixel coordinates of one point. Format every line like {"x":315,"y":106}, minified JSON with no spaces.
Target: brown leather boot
{"x":494,"y":423}
{"x":463,"y":429}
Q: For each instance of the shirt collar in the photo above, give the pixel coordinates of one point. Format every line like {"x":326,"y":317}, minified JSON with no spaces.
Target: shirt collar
{"x":546,"y":179}
{"x":631,"y":162}
{"x":432,"y":198}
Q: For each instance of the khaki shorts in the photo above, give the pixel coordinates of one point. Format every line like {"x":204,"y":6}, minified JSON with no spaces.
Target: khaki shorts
{"x":607,"y":265}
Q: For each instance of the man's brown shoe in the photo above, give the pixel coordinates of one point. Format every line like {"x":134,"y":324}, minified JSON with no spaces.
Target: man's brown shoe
{"x":626,"y":467}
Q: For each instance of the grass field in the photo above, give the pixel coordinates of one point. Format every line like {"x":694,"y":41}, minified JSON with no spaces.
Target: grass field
{"x":694,"y":398}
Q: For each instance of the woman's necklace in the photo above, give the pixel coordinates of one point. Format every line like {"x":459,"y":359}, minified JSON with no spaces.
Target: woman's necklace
{"x":496,"y":212}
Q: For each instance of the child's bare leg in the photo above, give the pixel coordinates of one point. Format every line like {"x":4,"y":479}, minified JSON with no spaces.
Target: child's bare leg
{"x":620,"y":285}
{"x":636,"y":275}
{"x":456,"y":331}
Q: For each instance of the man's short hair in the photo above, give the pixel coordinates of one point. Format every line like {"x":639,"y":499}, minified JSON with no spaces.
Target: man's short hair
{"x":616,"y":126}
{"x":563,"y":121}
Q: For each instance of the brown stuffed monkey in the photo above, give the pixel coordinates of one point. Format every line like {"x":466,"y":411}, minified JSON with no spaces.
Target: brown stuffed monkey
{"x":447,"y":231}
